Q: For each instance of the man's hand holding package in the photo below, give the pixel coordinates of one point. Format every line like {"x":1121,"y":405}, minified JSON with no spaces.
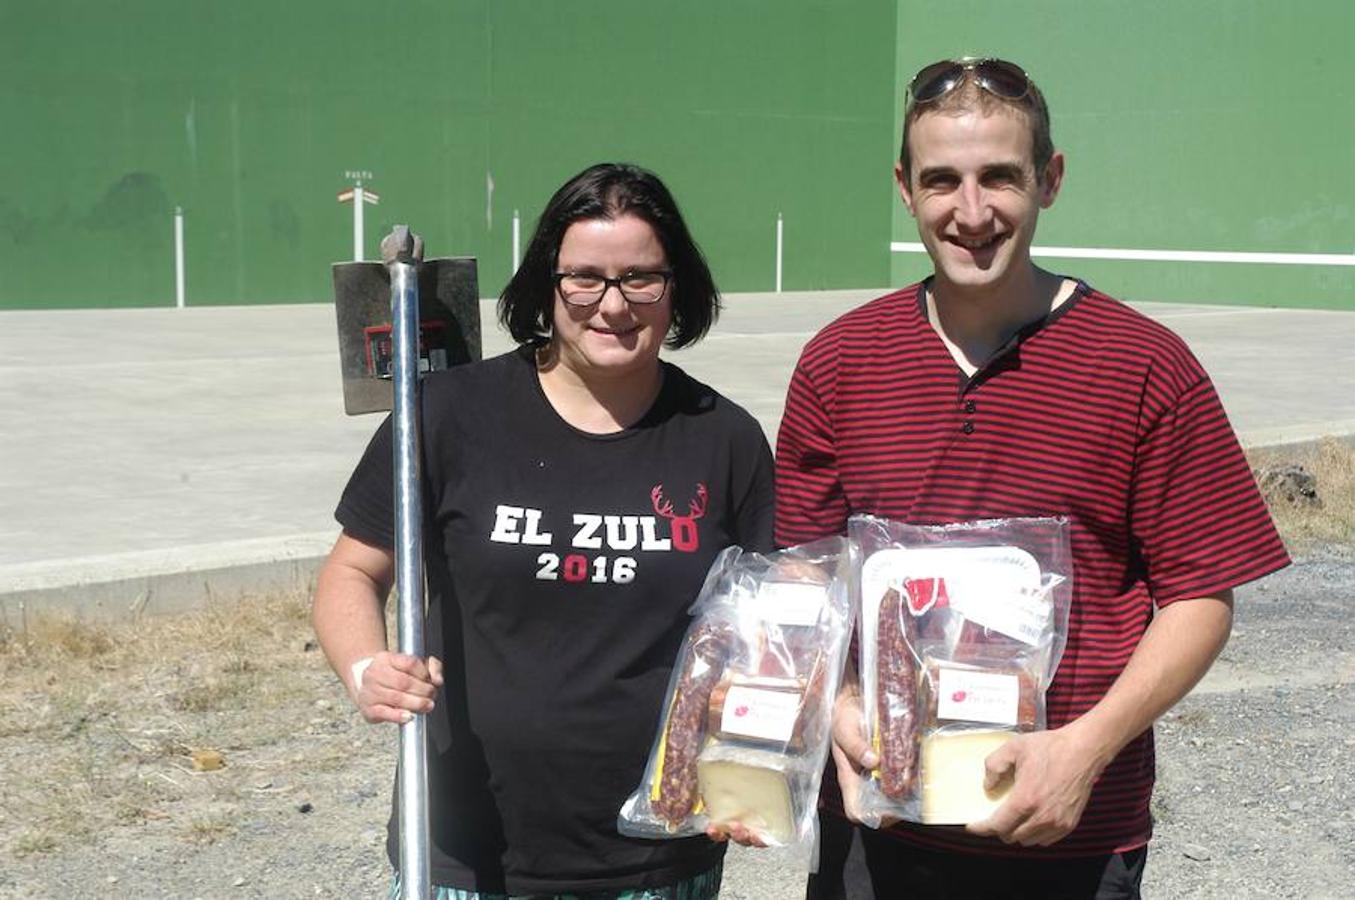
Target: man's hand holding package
{"x":1054,"y":770}
{"x":1053,"y":774}
{"x":852,"y":753}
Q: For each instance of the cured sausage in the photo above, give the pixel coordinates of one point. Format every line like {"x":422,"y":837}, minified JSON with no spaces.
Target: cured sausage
{"x":896,"y":700}
{"x":684,"y":732}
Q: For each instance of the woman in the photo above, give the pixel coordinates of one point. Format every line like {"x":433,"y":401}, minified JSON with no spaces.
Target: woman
{"x":577,"y":490}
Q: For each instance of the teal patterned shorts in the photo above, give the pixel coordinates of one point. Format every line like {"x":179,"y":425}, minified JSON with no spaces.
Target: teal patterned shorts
{"x":705,"y":886}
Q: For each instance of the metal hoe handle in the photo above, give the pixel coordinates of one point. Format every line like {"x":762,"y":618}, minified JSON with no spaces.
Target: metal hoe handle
{"x":409,"y":576}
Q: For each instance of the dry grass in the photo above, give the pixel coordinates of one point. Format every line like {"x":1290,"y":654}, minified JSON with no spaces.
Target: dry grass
{"x":1330,"y":521}
{"x":209,"y":829}
{"x":34,"y":841}
{"x":98,"y":721}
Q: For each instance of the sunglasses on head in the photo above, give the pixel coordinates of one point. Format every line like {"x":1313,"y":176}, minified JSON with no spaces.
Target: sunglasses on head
{"x":996,"y":76}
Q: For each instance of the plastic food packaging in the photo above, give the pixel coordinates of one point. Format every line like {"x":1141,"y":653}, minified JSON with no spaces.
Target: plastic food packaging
{"x":747,"y":717}
{"x":962,"y":629}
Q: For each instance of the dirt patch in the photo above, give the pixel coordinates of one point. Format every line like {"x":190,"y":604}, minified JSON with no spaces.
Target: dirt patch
{"x":203,"y":754}
{"x":1311,"y":492}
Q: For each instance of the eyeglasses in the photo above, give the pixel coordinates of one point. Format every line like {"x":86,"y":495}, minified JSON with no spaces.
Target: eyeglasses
{"x":587,"y":288}
{"x":996,"y":76}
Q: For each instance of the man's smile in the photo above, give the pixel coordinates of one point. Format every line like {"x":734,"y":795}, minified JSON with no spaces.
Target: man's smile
{"x":977,"y":244}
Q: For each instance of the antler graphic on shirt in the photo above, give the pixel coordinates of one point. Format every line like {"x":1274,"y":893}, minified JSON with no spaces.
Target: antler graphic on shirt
{"x":662,"y":505}
{"x":686,"y":536}
{"x":697,"y":507}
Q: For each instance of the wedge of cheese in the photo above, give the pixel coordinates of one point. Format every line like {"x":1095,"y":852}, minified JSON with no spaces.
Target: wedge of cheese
{"x":752,"y":788}
{"x":952,"y":776}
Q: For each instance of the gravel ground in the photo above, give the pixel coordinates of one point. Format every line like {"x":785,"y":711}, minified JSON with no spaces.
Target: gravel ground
{"x":1253,"y":798}
{"x":1254,"y":793}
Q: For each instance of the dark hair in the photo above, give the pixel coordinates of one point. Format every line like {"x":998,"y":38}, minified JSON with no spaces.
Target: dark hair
{"x":969,"y":97}
{"x":606,"y":191}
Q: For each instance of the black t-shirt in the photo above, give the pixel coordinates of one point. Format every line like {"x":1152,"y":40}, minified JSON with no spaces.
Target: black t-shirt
{"x":560,"y":569}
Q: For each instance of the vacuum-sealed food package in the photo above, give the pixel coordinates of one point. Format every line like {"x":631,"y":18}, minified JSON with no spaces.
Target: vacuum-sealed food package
{"x":743,"y":736}
{"x":962,"y":629}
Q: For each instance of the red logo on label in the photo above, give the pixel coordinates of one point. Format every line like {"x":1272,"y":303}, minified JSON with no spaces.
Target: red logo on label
{"x":740,"y":711}
{"x":925,"y":593}
{"x":958,"y":696}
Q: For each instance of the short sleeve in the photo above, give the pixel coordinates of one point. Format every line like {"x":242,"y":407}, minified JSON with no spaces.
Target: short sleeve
{"x":753,"y":514}
{"x":1196,"y":515}
{"x":810,"y":502}
{"x":367,"y":506}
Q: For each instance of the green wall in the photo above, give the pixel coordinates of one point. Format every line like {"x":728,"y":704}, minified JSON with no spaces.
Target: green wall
{"x":1202,"y":125}
{"x":1188,"y":125}
{"x":248,"y":114}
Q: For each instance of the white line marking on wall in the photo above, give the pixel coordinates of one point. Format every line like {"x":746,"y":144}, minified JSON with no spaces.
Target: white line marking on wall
{"x":1206,"y":256}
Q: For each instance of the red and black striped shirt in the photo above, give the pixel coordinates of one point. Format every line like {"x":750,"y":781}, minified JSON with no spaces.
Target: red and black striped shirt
{"x":1098,"y":413}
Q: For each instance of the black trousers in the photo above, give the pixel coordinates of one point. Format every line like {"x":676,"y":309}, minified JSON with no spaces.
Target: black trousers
{"x":861,"y":864}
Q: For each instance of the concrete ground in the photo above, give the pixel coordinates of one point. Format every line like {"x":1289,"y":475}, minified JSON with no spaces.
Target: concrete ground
{"x":153,"y":458}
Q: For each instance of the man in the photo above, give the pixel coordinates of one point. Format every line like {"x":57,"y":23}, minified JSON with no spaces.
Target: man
{"x":995,"y":388}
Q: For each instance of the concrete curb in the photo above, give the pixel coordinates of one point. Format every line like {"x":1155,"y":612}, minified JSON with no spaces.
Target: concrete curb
{"x":132,"y":584}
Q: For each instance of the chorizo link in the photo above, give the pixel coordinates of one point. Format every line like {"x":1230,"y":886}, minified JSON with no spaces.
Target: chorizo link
{"x":896,"y":700}
{"x":702,"y":668}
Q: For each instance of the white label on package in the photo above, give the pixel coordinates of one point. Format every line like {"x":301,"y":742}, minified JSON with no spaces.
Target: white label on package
{"x":787,"y":603}
{"x":1020,"y":614}
{"x":971,"y":695}
{"x":759,"y":713}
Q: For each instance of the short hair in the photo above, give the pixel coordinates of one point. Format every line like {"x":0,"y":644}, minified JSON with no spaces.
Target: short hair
{"x":968,"y":97}
{"x":607,"y":191}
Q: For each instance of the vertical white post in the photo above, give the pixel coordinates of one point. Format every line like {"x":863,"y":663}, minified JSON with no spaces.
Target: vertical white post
{"x":178,"y":258}
{"x":517,"y":241}
{"x":358,"y":201}
{"x":780,"y":233}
